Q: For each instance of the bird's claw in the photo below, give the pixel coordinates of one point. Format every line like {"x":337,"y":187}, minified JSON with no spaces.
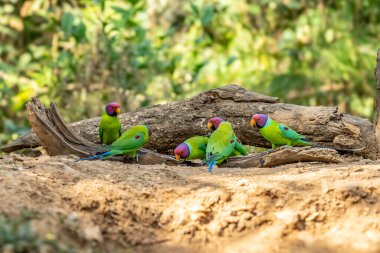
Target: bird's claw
{"x":137,"y":158}
{"x":212,"y":168}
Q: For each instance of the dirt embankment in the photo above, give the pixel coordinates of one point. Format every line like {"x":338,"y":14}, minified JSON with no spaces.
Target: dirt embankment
{"x":118,"y":207}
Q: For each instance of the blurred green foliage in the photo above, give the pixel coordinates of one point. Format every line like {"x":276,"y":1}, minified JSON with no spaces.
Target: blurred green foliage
{"x":83,"y":54}
{"x":17,"y":236}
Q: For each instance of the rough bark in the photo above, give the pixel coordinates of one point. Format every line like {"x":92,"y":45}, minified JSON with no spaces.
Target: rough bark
{"x":377,"y":100}
{"x":53,"y":134}
{"x":174,"y":122}
{"x":285,"y":155}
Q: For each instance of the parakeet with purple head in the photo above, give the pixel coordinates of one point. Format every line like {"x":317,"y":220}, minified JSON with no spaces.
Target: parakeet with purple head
{"x":110,"y":127}
{"x":128,"y":144}
{"x":239,"y":149}
{"x":220,"y":145}
{"x":192,"y":149}
{"x":278,"y":134}
{"x":281,"y":135}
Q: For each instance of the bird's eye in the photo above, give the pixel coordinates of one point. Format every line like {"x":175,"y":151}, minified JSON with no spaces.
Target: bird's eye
{"x":137,"y":137}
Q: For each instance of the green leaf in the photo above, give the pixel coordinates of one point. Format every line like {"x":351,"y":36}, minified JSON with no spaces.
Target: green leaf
{"x":123,"y":11}
{"x":230,"y":60}
{"x":133,"y":2}
{"x":208,"y":14}
{"x":80,"y":32}
{"x":67,"y":21}
{"x":195,"y":9}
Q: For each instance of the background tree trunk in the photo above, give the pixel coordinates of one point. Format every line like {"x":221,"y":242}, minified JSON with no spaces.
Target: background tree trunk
{"x":173,"y":122}
{"x":377,"y":100}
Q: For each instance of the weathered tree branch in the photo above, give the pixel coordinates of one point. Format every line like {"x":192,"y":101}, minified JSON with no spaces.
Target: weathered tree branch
{"x":377,"y":100}
{"x":174,"y":122}
{"x":285,"y":155}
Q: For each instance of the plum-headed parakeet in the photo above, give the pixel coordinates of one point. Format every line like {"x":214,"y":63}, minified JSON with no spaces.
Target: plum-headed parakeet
{"x":192,"y":148}
{"x":128,"y":144}
{"x":109,"y":127}
{"x":239,"y":149}
{"x":220,"y":144}
{"x":278,"y":134}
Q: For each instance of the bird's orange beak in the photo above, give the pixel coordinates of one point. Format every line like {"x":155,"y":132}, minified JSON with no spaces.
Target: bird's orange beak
{"x":177,"y":157}
{"x":117,"y":110}
{"x":253,"y":122}
{"x":209,"y":125}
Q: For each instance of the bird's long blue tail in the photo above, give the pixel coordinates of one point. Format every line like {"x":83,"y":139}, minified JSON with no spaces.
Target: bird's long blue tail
{"x":212,"y":163}
{"x":96,"y":156}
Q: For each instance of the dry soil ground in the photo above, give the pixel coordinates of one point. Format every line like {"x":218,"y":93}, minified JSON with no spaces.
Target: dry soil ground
{"x":116,"y":207}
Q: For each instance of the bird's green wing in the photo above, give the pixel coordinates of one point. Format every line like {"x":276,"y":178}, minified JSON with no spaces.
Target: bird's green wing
{"x":202,"y":146}
{"x":101,"y":124}
{"x":290,"y":133}
{"x":221,"y":144}
{"x":240,"y":148}
{"x":201,"y":142}
{"x":129,"y":141}
{"x":101,"y":134}
{"x":120,"y":130}
{"x":197,"y":145}
{"x":197,"y":142}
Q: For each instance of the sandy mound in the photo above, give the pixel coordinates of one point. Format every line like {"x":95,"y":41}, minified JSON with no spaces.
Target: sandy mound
{"x":114,"y":207}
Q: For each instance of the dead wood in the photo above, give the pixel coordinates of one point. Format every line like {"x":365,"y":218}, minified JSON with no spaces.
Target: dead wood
{"x":58,"y":139}
{"x":377,"y":100}
{"x":174,"y":122}
{"x":285,"y":155}
{"x":53,"y":133}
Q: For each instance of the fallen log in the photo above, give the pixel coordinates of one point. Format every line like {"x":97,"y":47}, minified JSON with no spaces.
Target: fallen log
{"x":58,"y":139}
{"x":174,"y":122}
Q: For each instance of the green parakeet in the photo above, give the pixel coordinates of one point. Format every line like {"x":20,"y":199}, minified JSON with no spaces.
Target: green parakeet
{"x":239,"y":149}
{"x":128,"y":144}
{"x":278,"y":134}
{"x":220,"y":145}
{"x":192,"y":148}
{"x":109,"y":127}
